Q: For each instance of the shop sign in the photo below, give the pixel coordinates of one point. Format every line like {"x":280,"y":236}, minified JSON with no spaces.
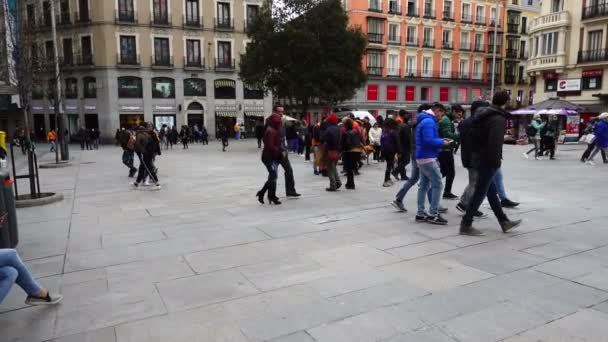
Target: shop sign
{"x":90,"y":107}
{"x":569,"y":85}
{"x":131,"y":108}
{"x":164,"y":108}
{"x":593,"y":73}
{"x":551,"y":76}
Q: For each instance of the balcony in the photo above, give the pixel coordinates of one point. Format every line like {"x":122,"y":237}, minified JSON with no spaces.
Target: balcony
{"x":128,"y":61}
{"x":63,"y":19}
{"x":509,"y":79}
{"x":466,"y":18}
{"x":191,"y":63}
{"x":465,"y":46}
{"x":44,"y":21}
{"x":477,"y":76}
{"x":394,"y":40}
{"x":412,"y":12}
{"x":374,"y":70}
{"x":549,"y":62}
{"x":480,"y":20}
{"x":224,"y":24}
{"x":66,"y":61}
{"x":522,"y":81}
{"x":125,"y":17}
{"x":446,"y":45}
{"x":411,"y":42}
{"x":493,"y":23}
{"x":512,"y":28}
{"x":590,"y":56}
{"x":448,"y":16}
{"x":595,"y":11}
{"x":375,"y":6}
{"x":192,"y":23}
{"x":394,"y":8}
{"x":82,"y":17}
{"x":374,"y":37}
{"x":491,"y":50}
{"x":160,"y":21}
{"x":161,"y":62}
{"x":428,"y":43}
{"x":85,"y":59}
{"x":490,"y":75}
{"x":461,"y":75}
{"x":392,"y":72}
{"x":550,"y":21}
{"x":523,"y":55}
{"x":429,"y":13}
{"x":228,"y":65}
{"x":479,"y":48}
{"x":511,"y":54}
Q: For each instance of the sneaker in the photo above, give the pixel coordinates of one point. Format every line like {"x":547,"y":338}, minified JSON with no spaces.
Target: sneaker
{"x":590,"y":162}
{"x":438,"y":220}
{"x":147,"y":183}
{"x":49,"y":300}
{"x":399,"y":206}
{"x":386,"y":184}
{"x":470,"y":231}
{"x":526,"y":155}
{"x":507,"y":203}
{"x":508,"y":225}
{"x":155,"y":187}
{"x":450,"y":196}
{"x":135,"y":185}
{"x":331,"y":189}
{"x":461,"y":208}
{"x":538,"y":158}
{"x":422,"y":218}
{"x":443,"y":210}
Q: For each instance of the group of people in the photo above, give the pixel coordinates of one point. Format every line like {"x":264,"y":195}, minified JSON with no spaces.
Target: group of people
{"x":145,"y":143}
{"x":89,"y":138}
{"x":596,"y":134}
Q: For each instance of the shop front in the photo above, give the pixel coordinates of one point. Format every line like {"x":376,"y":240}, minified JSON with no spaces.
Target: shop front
{"x":131,"y":115}
{"x":252,"y":115}
{"x":164,"y":115}
{"x":195,"y":115}
{"x":225,"y":118}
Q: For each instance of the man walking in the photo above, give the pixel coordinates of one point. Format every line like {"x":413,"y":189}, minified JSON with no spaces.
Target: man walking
{"x":52,"y":138}
{"x":428,"y":145}
{"x":290,"y":183}
{"x":446,"y":156}
{"x":404,"y":147}
{"x":127,"y":141}
{"x":487,"y":137}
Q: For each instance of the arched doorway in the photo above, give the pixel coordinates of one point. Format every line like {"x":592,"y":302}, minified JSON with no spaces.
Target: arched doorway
{"x":195,"y":114}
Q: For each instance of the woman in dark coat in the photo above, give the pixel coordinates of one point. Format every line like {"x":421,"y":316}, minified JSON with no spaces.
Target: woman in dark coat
{"x":271,"y":155}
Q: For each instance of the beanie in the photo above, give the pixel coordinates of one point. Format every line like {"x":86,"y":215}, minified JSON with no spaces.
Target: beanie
{"x":332,"y":119}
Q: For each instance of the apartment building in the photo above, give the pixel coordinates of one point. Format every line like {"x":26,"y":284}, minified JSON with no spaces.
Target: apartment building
{"x":569,"y":54}
{"x":516,"y":45}
{"x":425,"y":50}
{"x":10,"y":116}
{"x":170,"y":62}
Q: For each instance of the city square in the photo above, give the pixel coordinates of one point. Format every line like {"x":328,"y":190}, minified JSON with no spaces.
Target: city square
{"x":202,"y":260}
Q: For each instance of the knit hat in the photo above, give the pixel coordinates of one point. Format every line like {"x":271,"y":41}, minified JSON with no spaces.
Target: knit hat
{"x":536,"y":116}
{"x":332,"y":119}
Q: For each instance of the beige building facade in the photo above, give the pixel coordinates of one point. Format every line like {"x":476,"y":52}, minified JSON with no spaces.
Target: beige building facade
{"x":170,"y":62}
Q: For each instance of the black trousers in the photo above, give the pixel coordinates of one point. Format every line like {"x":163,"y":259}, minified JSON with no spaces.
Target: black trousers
{"x":390,"y":163}
{"x":290,"y":183}
{"x":484,"y":188}
{"x":259,"y":142}
{"x":404,"y":160}
{"x":446,"y":165}
{"x":307,"y":152}
{"x":146,"y":167}
{"x":588,"y":151}
{"x":350,"y":164}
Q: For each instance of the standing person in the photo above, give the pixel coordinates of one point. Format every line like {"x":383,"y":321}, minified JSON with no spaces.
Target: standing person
{"x":95,"y":139}
{"x":316,"y":148}
{"x":375,"y":134}
{"x":270,"y":157}
{"x":457,"y":117}
{"x":351,"y":143}
{"x":259,"y":132}
{"x":126,"y":140}
{"x":82,"y":136}
{"x":147,"y":148}
{"x":237,"y":131}
{"x":290,"y":183}
{"x":487,"y":136}
{"x":87,"y":139}
{"x":547,"y":136}
{"x":173,"y":136}
{"x":533,"y":133}
{"x":388,"y":143}
{"x":446,"y":156}
{"x":291,"y":134}
{"x":589,"y":129}
{"x":428,"y":146}
{"x":332,"y":141}
{"x":13,"y":270}
{"x":204,"y":135}
{"x":224,"y":133}
{"x":404,"y":146}
{"x":307,"y":142}
{"x":52,"y":138}
{"x":117,"y":137}
{"x":601,"y":137}
{"x":184,"y":136}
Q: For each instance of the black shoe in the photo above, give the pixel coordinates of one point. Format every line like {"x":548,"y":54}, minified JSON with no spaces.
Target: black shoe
{"x":508,"y":225}
{"x":331,"y":189}
{"x":132,"y":173}
{"x":438,"y":220}
{"x":461,"y":208}
{"x":399,"y":206}
{"x":274,"y":201}
{"x":316,"y":173}
{"x":260,"y":196}
{"x":395,"y":174}
{"x":470,"y":231}
{"x":450,"y":196}
{"x":293,"y":194}
{"x":338,"y":186}
{"x":357,"y":173}
{"x":480,"y":214}
{"x":507,"y":203}
{"x":422,"y":218}
{"x":349,"y":187}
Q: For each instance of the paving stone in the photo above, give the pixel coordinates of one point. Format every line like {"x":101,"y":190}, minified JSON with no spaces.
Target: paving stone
{"x":147,"y":272}
{"x":571,"y":267}
{"x":28,"y":324}
{"x":300,"y":336}
{"x":162,"y":329}
{"x":558,"y":249}
{"x":502,"y":260}
{"x":350,"y":281}
{"x":101,"y":335}
{"x":131,"y":237}
{"x":46,"y":266}
{"x":399,"y":240}
{"x":225,"y":258}
{"x":603,"y":307}
{"x":352,"y":257}
{"x":421,"y":335}
{"x":421,"y":249}
{"x":598,"y":280}
{"x":191,"y":292}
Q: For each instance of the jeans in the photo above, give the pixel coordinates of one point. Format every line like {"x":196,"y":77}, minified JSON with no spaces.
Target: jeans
{"x":12,"y":270}
{"x":430,"y":177}
{"x":290,"y":183}
{"x":237,"y":135}
{"x":596,"y":151}
{"x":52,"y":145}
{"x":350,"y":164}
{"x":536,"y":147}
{"x":293,"y":144}
{"x":484,"y":188}
{"x":332,"y":172}
{"x":468,"y":191}
{"x":500,"y":185}
{"x":413,"y":180}
{"x":127,"y":159}
{"x":390,"y":163}
{"x":146,"y":167}
{"x":446,"y":163}
{"x":271,"y":183}
{"x":315,"y":151}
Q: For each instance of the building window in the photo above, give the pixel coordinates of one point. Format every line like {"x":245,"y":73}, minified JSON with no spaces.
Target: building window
{"x":89,"y":87}
{"x":446,"y":40}
{"x":428,"y":9}
{"x":462,"y":95}
{"x":393,"y":65}
{"x":372,"y":92}
{"x":252,"y":93}
{"x":410,"y":93}
{"x":444,"y":94}
{"x":160,"y":11}
{"x":71,"y":88}
{"x":126,"y":11}
{"x":445,"y":67}
{"x":592,"y":83}
{"x":410,"y":66}
{"x":128,"y":50}
{"x":425,"y":94}
{"x":163,"y":88}
{"x":550,"y":85}
{"x":225,"y":89}
{"x":375,"y":30}
{"x":411,"y":35}
{"x":594,"y":40}
{"x":464,"y":69}
{"x":477,"y":70}
{"x":83,"y":8}
{"x":51,"y":89}
{"x":195,"y":87}
{"x":556,"y":5}
{"x":31,"y":15}
{"x":427,"y":65}
{"x":193,"y":52}
{"x":427,"y":37}
{"x":130,"y":87}
{"x":86,"y":51}
{"x":192,"y":13}
{"x":493,"y":15}
{"x":391,"y":93}
{"x":46,"y":13}
{"x":68,"y":52}
{"x":374,"y":62}
{"x":224,"y":19}
{"x":549,"y":44}
{"x":393,"y":33}
{"x":479,"y":42}
{"x":224,"y":54}
{"x":464,"y":41}
{"x":466,"y":12}
{"x":476,"y":93}
{"x":161,"y":51}
{"x":479,"y":14}
{"x":49,"y":49}
{"x":252,"y":12}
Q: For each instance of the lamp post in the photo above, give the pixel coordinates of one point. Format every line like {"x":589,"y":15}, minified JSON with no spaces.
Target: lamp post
{"x":59,"y":123}
{"x":494,"y":48}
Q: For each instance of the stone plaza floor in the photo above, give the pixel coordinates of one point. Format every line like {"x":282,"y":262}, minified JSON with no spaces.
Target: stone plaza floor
{"x":201,"y":260}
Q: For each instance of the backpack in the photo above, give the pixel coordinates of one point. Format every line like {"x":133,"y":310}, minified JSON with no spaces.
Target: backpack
{"x":141,"y":142}
{"x":530,"y":131}
{"x":130,"y":138}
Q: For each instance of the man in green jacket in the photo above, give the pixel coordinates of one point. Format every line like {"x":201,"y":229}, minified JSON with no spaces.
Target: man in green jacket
{"x":446,"y":156}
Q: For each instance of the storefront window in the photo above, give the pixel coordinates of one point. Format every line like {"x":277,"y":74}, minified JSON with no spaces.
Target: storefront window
{"x":130,"y":87}
{"x":71,"y":88}
{"x":225,"y":89}
{"x":89,"y":87}
{"x":163,"y":88}
{"x":594,"y":82}
{"x":252,"y":93}
{"x":195,"y":87}
{"x":550,"y":85}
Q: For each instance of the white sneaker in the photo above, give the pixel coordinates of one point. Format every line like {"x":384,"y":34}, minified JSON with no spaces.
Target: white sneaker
{"x":155,"y":187}
{"x":526,"y":155}
{"x":147,"y":183}
{"x":590,"y":162}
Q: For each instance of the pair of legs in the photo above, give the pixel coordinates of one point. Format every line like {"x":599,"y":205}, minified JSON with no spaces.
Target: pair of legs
{"x":224,"y":144}
{"x":315,"y":159}
{"x":146,"y":167}
{"x":185,"y":143}
{"x":259,"y":142}
{"x":498,"y":182}
{"x":52,"y":145}
{"x":350,"y":160}
{"x":271,"y":183}
{"x":596,"y":151}
{"x":401,"y":164}
{"x":377,"y":155}
{"x":293,"y":145}
{"x":430,"y":178}
{"x":484,"y":188}
{"x":332,"y":172}
{"x":588,"y":151}
{"x":448,"y":170}
{"x":13,"y":270}
{"x":390,"y":164}
{"x":128,"y":159}
{"x":290,"y":183}
{"x":307,"y":147}
{"x":536,"y":148}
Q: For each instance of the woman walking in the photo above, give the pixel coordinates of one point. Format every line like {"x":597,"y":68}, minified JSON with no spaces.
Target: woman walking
{"x":351,"y":143}
{"x":534,"y":134}
{"x":271,"y":154}
{"x":375,"y":133}
{"x":389,"y":148}
{"x":601,"y":137}
{"x":184,"y":135}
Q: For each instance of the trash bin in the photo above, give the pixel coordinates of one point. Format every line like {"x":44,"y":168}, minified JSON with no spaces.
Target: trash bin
{"x":9,"y":235}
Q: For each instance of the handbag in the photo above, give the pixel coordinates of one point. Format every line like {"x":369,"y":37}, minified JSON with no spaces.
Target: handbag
{"x":590,"y":138}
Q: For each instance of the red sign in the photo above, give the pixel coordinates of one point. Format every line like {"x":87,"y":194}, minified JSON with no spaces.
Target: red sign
{"x":410,"y":93}
{"x":593,"y":73}
{"x":391,"y":93}
{"x":444,"y":94}
{"x":476,"y":93}
{"x":372,"y":92}
{"x":550,"y":76}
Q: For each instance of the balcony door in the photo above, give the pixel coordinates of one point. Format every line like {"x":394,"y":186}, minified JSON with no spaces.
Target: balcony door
{"x":192,"y":12}
{"x":128,"y":50}
{"x":224,"y":54}
{"x":83,"y":8}
{"x":86,"y":50}
{"x":161,"y":11}
{"x":223,"y":14}
{"x":161,"y":51}
{"x":193,"y":52}
{"x":126,"y":11}
{"x":68,"y":52}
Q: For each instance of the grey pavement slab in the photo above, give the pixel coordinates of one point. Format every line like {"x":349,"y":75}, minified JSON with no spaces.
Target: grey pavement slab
{"x":201,"y":260}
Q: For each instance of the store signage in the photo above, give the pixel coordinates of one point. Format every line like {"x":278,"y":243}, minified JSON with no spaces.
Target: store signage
{"x":593,"y":73}
{"x":164,"y":108}
{"x":38,"y":108}
{"x":550,"y":76}
{"x":569,"y":85}
{"x":90,"y":107}
{"x":71,"y":107}
{"x":131,"y":108}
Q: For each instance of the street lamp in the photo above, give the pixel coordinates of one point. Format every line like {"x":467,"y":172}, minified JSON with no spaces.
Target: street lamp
{"x":494,"y":48}
{"x":59,"y":123}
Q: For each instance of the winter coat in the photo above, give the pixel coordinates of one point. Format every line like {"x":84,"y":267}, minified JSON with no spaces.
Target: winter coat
{"x":405,"y":141}
{"x":538,"y":126}
{"x":272,"y":140}
{"x":487,"y":137}
{"x":351,"y":141}
{"x":389,"y":141}
{"x":374,"y":136}
{"x":428,"y":142}
{"x":332,"y":138}
{"x":259,"y":131}
{"x":601,"y":134}
{"x":446,"y":130}
{"x":466,"y":153}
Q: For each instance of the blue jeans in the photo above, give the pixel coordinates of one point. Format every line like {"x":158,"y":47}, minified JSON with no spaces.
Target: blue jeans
{"x":12,"y":270}
{"x":293,"y":145}
{"x":413,"y":180}
{"x":500,"y":185}
{"x":430,"y":177}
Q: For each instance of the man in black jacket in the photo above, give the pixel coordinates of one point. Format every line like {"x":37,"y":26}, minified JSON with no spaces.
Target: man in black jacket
{"x":486,"y":138}
{"x":404,"y":146}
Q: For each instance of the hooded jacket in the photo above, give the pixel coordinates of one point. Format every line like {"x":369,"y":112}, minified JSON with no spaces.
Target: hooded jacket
{"x":332,"y":138}
{"x":272,"y":140}
{"x":487,"y":137}
{"x":601,"y":134}
{"x":428,"y":142}
{"x":374,"y":135}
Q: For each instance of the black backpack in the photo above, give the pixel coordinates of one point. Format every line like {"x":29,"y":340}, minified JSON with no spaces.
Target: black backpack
{"x":530,"y":131}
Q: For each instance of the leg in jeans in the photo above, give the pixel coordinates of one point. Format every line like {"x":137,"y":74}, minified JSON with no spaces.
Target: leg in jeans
{"x":484,"y":188}
{"x":431,"y":173}
{"x":423,"y":188}
{"x":271,"y":182}
{"x":500,"y":185}
{"x":290,"y":183}
{"x":414,"y":177}
{"x":9,"y":263}
{"x":390,"y":161}
{"x":334,"y":178}
{"x":151,"y":169}
{"x":468,"y":191}
{"x":315,"y":165}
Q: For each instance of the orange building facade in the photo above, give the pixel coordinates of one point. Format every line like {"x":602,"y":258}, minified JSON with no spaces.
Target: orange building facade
{"x":425,"y":51}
